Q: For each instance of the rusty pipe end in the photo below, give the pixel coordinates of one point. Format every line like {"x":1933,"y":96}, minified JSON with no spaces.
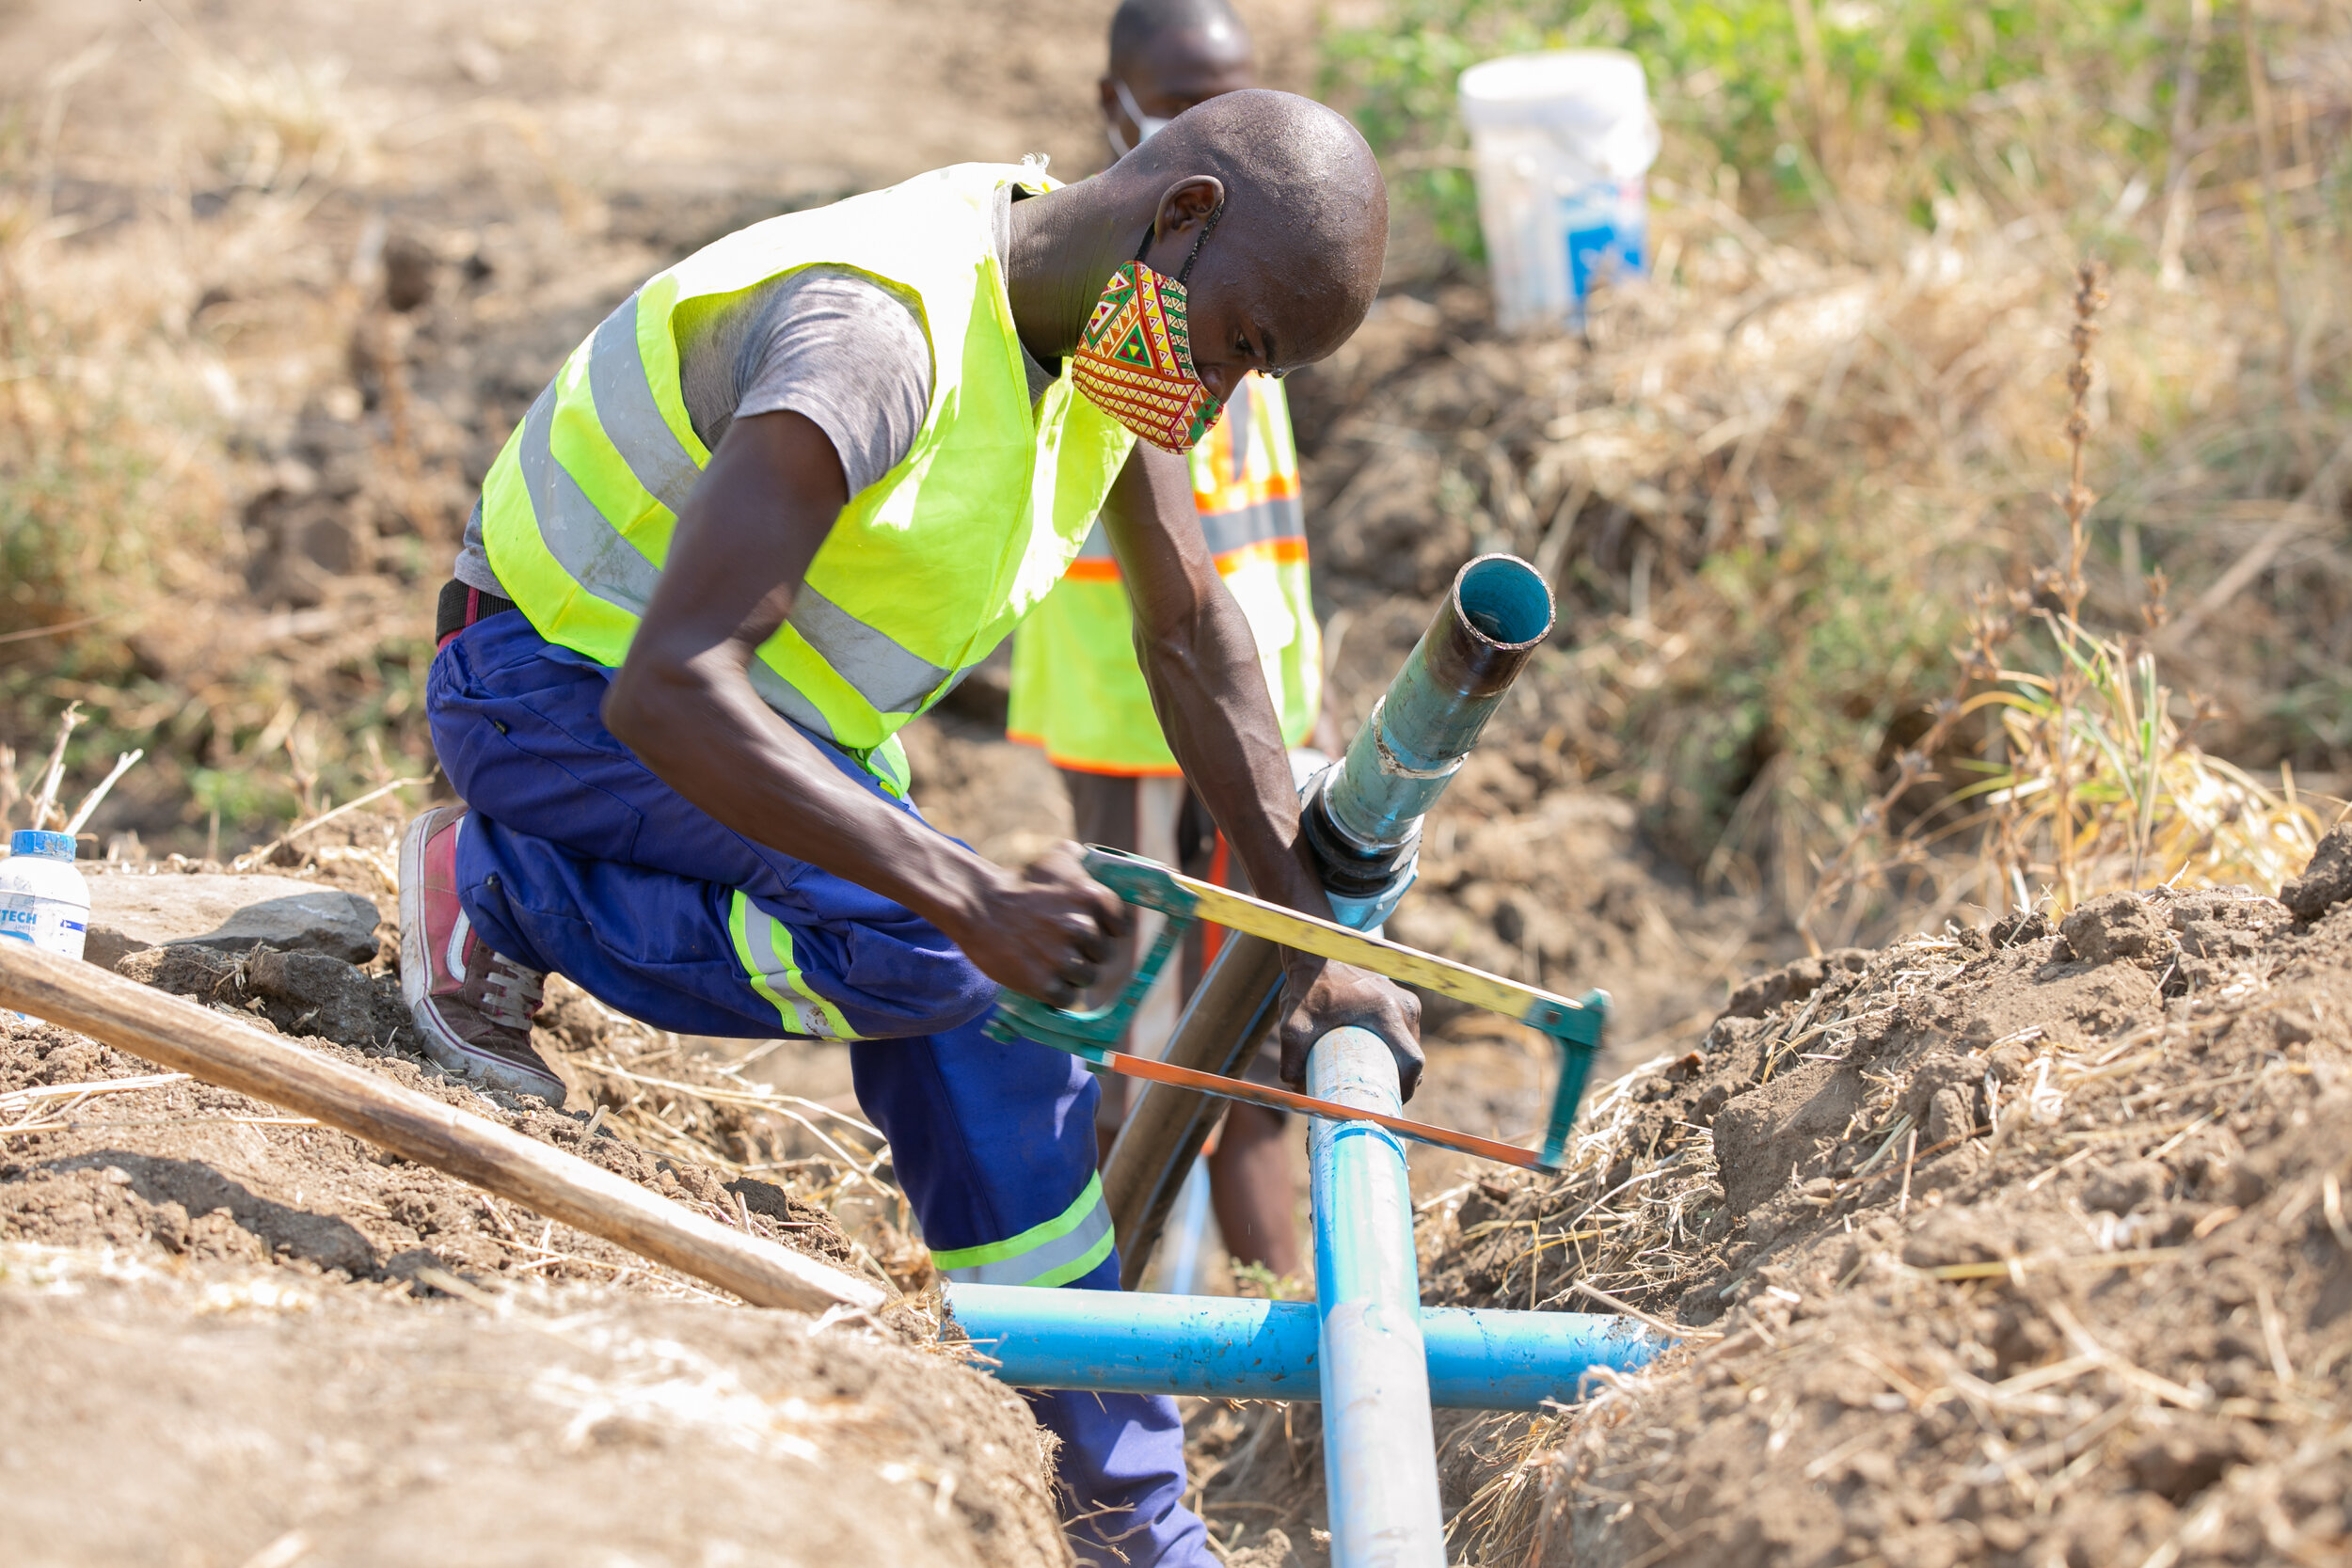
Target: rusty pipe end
{"x":1499,"y":610}
{"x":1363,"y":815}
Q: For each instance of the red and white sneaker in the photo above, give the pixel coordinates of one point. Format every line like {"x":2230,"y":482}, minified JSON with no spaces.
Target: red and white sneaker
{"x":472,"y":1006}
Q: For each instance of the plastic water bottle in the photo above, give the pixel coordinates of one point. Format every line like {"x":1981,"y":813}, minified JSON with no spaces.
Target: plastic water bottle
{"x":44,"y":900}
{"x":1562,"y":142}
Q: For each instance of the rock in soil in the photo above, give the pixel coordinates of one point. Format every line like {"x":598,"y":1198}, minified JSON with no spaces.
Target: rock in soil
{"x":2114,"y":925}
{"x":2327,"y":881}
{"x":227,"y":913}
{"x":227,"y":1336}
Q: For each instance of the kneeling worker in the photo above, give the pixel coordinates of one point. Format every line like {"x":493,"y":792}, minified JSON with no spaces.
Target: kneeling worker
{"x":1077,"y":691}
{"x":768,"y":513}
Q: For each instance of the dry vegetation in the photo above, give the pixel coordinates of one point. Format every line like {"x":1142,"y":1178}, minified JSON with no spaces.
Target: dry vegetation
{"x":244,"y":406}
{"x":1802,"y":478}
{"x":2085,"y":781}
{"x":209,"y":542}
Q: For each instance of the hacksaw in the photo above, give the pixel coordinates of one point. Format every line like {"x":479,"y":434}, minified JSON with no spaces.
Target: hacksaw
{"x":1574,"y":1024}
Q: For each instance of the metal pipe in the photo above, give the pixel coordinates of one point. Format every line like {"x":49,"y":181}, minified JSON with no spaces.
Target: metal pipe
{"x":1380,"y":1449}
{"x":1362,"y":818}
{"x":1230,"y":1348}
{"x":1230,"y":1010}
{"x":1364,"y":815}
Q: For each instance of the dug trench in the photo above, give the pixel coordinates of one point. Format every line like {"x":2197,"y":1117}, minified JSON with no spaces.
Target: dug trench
{"x":2026,"y":1246}
{"x":2019,"y":1246}
{"x":227,"y":1336}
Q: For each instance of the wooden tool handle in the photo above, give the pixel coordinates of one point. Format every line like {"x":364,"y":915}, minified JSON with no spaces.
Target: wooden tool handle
{"x":210,"y":1046}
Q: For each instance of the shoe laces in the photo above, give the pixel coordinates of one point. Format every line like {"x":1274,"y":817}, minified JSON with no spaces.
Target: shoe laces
{"x":510,"y":993}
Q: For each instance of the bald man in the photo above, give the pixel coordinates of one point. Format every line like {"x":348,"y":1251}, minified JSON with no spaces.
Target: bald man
{"x":773,"y":508}
{"x":1167,"y":56}
{"x":1077,"y":691}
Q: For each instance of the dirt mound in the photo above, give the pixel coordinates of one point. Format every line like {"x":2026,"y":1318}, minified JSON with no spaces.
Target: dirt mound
{"x":376,"y":1363}
{"x":162,"y":1413}
{"x":2020,"y":1247}
{"x":197,"y":1169}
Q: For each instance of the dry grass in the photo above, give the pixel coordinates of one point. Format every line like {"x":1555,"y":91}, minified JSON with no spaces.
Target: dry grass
{"x":1764,"y":487}
{"x":1621,"y":1218}
{"x":1773,"y":480}
{"x":1759,"y":479}
{"x":169,"y":329}
{"x":655,"y":1090}
{"x":2086,"y":782}
{"x":43,"y":806}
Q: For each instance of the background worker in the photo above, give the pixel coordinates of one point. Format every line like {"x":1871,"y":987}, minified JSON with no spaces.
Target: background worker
{"x":1078,"y":690}
{"x":769,"y":511}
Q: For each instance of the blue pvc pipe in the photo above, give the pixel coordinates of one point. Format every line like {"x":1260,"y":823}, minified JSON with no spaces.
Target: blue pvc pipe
{"x":1379,"y":1448}
{"x":1224,"y":1347}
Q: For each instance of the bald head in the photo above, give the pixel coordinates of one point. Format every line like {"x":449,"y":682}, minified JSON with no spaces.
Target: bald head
{"x":1168,"y":56}
{"x":1142,"y":28}
{"x":1304,"y":223}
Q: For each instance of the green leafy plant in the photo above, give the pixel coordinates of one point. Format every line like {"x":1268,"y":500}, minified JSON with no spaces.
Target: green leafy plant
{"x":1904,"y":98}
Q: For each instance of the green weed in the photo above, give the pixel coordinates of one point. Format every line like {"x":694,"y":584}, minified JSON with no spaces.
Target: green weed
{"x":1905,"y":100}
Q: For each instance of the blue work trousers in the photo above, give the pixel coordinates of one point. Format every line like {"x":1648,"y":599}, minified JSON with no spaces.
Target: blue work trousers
{"x":576,"y":859}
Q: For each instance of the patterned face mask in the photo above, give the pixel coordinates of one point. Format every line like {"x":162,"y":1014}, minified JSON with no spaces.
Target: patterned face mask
{"x":1135,"y":360}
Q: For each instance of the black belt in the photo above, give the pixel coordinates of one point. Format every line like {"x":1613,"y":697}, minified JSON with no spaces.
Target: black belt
{"x":461,"y":605}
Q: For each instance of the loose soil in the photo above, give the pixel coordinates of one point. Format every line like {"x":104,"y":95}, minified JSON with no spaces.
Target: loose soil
{"x":230,"y":1337}
{"x":2020,"y":1247}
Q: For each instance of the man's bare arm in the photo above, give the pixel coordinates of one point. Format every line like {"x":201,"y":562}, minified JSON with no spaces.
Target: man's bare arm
{"x":683,"y":701}
{"x":1202,"y":665}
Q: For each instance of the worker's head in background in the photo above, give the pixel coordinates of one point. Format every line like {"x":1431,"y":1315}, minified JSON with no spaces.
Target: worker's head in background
{"x":1168,"y":56}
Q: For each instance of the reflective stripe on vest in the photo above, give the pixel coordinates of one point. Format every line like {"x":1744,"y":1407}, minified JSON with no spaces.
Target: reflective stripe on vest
{"x":1066,"y":1247}
{"x":598,"y":558}
{"x":1265,"y":522}
{"x":1076,"y":689}
{"x":1245,"y":481}
{"x":925,"y":570}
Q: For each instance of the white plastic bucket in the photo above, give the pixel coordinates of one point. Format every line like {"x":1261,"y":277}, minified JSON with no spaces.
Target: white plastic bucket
{"x":43,"y":901}
{"x":1560,"y":142}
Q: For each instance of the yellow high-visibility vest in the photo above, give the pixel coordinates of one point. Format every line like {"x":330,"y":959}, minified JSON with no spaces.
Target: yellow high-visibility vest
{"x":927,"y":569}
{"x":1078,"y":690}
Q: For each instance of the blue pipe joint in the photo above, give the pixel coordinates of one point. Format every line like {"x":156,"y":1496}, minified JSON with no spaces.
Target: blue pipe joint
{"x":1230,"y":1348}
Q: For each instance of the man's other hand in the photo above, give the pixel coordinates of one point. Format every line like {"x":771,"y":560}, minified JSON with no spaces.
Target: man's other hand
{"x":1045,"y":931}
{"x":1320,"y":995}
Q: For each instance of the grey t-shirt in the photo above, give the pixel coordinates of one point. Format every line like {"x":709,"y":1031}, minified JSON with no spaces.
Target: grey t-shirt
{"x":825,"y":342}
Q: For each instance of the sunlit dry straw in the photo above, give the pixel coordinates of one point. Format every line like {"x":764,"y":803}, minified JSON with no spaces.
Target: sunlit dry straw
{"x":123,"y":764}
{"x":258,"y":857}
{"x":45,"y":798}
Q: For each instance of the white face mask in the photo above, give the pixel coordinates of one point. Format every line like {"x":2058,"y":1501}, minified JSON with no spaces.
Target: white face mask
{"x":1147,"y":126}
